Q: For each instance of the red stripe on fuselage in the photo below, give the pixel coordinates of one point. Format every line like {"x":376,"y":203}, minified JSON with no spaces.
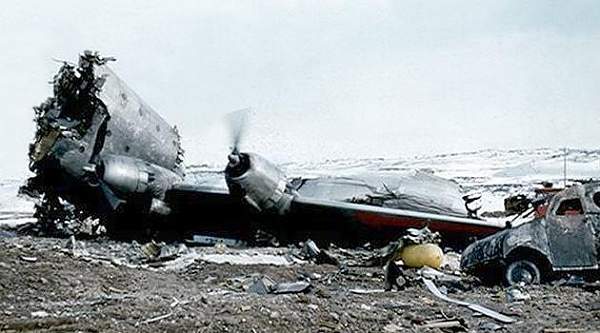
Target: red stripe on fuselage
{"x":381,"y":221}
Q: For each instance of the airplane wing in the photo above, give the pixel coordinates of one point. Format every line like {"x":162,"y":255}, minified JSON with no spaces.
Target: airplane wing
{"x":328,"y":210}
{"x":373,"y":222}
{"x":213,"y":210}
{"x":198,"y":195}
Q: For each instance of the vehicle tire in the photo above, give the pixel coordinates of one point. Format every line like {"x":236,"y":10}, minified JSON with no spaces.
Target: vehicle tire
{"x":522,"y":272}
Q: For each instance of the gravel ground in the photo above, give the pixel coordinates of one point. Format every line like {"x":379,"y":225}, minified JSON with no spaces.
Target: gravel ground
{"x":45,"y":286}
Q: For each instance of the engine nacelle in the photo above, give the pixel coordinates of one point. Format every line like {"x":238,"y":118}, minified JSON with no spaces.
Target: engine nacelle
{"x":129,"y":176}
{"x":124,"y":174}
{"x":260,"y":183}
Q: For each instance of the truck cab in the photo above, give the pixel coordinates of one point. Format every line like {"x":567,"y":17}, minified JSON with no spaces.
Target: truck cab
{"x":566,"y":239}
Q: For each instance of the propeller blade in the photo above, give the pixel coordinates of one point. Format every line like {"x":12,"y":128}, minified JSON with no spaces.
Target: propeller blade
{"x":238,"y":121}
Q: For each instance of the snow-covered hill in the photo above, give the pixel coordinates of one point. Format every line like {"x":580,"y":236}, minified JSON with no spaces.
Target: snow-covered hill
{"x":14,"y":209}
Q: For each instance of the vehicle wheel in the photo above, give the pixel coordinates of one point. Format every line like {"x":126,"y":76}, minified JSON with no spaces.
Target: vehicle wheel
{"x":522,"y":272}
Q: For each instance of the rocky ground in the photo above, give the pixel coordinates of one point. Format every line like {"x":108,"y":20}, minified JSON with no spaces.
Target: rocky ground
{"x":57,"y":285}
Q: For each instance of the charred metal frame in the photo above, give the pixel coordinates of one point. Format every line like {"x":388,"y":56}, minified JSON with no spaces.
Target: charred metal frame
{"x":560,"y":242}
{"x":99,"y":145}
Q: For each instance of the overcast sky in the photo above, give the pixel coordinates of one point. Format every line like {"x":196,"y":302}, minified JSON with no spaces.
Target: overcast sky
{"x":325,"y":79}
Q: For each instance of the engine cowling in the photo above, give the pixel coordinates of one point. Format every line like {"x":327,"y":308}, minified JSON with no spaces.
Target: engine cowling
{"x":130,"y":176}
{"x":259,"y":182}
{"x":124,"y":174}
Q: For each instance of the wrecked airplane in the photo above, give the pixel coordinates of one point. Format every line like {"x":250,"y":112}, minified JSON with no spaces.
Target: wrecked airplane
{"x":102,"y":149}
{"x":565,"y":240}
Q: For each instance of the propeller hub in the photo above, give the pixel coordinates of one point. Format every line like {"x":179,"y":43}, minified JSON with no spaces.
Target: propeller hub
{"x":234,"y":160}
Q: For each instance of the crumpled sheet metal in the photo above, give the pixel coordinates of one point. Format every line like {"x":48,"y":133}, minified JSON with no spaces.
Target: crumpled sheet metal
{"x":265,"y":285}
{"x":475,"y":307}
{"x":149,"y":136}
{"x":415,"y":191}
{"x":93,"y":109}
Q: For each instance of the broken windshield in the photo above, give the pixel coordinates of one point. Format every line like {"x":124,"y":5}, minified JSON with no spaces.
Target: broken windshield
{"x":570,"y":207}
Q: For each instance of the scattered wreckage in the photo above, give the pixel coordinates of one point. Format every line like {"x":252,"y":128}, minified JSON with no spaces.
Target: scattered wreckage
{"x":566,"y":239}
{"x":103,"y":150}
{"x":103,"y":158}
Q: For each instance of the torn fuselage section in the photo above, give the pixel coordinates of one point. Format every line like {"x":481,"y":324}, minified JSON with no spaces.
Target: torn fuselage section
{"x":99,"y":146}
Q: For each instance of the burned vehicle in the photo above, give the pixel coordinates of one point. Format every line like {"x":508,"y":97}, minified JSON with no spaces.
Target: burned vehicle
{"x":565,"y":240}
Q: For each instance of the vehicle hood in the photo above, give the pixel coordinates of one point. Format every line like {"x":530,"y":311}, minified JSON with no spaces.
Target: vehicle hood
{"x":483,"y":250}
{"x":500,"y":244}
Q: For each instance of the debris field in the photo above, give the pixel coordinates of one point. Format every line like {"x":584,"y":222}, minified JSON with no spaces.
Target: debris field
{"x":67,"y":285}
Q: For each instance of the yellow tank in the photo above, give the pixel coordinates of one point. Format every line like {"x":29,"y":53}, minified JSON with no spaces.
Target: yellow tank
{"x":419,"y":255}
